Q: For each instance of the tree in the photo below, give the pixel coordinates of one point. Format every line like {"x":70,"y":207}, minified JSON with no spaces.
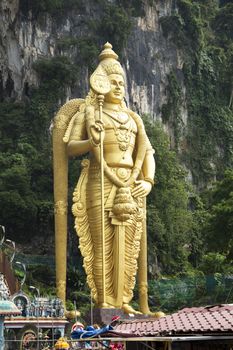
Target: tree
{"x":219,"y":226}
{"x":170,"y":221}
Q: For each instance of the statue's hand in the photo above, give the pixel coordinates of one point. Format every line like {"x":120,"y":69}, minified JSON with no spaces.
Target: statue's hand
{"x":95,"y":130}
{"x":142,"y":188}
{"x":95,"y":126}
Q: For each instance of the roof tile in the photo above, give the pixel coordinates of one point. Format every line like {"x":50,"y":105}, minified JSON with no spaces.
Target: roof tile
{"x":196,"y":320}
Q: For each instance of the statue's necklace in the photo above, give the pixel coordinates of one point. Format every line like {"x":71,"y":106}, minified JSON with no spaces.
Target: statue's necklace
{"x":120,"y":117}
{"x":122,"y":132}
{"x":123,"y":135}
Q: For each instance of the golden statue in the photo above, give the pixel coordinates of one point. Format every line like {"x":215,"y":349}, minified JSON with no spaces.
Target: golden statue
{"x":109,"y":199}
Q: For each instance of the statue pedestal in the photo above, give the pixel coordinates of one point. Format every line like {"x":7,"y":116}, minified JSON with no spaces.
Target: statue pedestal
{"x":104,"y":316}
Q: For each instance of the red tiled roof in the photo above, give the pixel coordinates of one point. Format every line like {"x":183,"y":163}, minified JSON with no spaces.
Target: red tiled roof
{"x":209,"y":319}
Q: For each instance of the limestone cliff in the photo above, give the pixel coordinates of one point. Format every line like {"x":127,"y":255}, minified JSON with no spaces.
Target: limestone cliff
{"x":147,"y":57}
{"x":163,"y":48}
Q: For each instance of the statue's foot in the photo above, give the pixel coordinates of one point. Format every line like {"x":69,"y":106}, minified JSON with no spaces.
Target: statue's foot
{"x":156,"y":314}
{"x":130,"y":310}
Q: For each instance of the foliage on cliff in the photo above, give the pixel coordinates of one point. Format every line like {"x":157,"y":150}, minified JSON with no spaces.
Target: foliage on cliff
{"x":219,"y":224}
{"x":26,"y":183}
{"x":203,"y":34}
{"x":170,"y":222}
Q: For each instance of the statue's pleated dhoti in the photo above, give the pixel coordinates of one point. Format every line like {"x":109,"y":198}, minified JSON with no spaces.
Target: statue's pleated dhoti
{"x":122,"y":242}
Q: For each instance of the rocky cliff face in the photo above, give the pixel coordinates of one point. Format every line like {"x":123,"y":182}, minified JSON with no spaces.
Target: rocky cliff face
{"x":189,"y":94}
{"x":147,"y":58}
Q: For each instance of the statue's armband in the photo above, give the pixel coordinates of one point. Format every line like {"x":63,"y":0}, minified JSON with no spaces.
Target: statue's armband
{"x":77,"y":127}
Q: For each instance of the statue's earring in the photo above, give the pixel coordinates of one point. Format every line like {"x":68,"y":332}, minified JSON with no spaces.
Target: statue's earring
{"x":125,"y":103}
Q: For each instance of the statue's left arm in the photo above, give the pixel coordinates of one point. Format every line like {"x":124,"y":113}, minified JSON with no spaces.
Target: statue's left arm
{"x":144,"y":186}
{"x":148,"y":167}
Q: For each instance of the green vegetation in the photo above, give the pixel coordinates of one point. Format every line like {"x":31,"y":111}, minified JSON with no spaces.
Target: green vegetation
{"x":174,"y":293}
{"x":203,"y":33}
{"x":114,"y":26}
{"x":171,"y":113}
{"x":87,"y":49}
{"x":219,"y":224}
{"x":134,"y":7}
{"x":170,"y":221}
{"x":26,"y":185}
{"x":52,"y":7}
{"x":56,"y":71}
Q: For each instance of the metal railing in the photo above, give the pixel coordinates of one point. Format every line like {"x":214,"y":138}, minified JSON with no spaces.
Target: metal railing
{"x":44,"y":344}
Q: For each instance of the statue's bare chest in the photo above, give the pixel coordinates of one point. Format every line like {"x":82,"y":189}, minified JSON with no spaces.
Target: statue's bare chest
{"x":120,"y":128}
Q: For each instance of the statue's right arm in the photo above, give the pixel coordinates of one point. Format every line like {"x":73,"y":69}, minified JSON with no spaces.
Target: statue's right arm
{"x":79,"y":142}
{"x":77,"y":148}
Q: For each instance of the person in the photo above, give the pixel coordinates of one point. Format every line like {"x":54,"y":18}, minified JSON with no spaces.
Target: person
{"x":128,"y":168}
{"x":78,"y":331}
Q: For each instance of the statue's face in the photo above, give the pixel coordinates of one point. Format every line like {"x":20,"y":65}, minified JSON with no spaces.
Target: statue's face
{"x":117,"y":92}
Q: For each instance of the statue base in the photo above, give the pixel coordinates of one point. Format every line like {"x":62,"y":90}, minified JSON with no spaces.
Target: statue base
{"x":104,"y":316}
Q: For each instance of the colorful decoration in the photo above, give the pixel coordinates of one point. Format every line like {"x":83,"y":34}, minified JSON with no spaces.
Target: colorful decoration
{"x":61,"y":344}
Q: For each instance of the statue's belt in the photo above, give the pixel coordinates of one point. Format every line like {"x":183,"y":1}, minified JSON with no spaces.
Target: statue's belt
{"x":121,"y":172}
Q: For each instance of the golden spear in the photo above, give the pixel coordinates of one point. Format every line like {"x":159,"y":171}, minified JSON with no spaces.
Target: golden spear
{"x":100,"y":84}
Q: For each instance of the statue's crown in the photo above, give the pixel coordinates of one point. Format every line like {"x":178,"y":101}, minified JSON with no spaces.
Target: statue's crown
{"x":107,"y":52}
{"x":109,"y":60}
